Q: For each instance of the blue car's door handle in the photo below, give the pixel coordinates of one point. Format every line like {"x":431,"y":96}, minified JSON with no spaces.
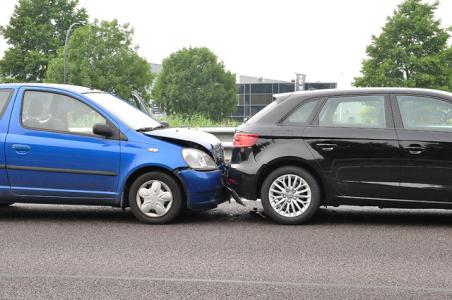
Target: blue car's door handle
{"x":20,"y":148}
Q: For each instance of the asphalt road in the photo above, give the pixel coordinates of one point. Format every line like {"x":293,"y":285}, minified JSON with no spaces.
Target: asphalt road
{"x":88,"y":252}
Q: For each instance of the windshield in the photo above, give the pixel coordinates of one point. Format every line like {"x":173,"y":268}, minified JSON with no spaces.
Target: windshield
{"x":132,"y":117}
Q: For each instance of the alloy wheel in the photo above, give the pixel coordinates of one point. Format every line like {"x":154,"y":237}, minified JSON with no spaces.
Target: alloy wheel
{"x":289,"y":195}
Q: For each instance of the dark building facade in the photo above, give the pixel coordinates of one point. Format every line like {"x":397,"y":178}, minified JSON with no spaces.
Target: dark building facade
{"x":254,"y":96}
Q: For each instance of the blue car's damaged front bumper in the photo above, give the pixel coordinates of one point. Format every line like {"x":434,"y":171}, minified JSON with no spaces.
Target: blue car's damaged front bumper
{"x":204,"y":189}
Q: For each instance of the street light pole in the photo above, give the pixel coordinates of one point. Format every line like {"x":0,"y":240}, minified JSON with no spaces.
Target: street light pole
{"x":65,"y":48}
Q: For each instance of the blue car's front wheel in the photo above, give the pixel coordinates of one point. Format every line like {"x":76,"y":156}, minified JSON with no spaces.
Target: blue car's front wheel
{"x":155,"y":198}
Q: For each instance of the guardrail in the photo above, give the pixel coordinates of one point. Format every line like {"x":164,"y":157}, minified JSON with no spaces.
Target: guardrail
{"x":224,"y":134}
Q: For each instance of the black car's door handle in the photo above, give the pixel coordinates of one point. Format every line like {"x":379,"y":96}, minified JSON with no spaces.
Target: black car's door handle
{"x":327,"y":147}
{"x":415,"y":149}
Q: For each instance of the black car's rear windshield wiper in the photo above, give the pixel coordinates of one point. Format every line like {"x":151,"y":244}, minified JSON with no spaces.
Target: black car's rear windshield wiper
{"x":144,"y":129}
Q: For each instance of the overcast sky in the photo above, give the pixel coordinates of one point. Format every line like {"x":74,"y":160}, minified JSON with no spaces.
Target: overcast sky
{"x":325,"y":39}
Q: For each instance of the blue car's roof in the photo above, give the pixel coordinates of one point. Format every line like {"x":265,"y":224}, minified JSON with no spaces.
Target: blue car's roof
{"x":66,"y":87}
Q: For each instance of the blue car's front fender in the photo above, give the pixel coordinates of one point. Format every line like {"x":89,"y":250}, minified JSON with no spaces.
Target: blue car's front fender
{"x":135,"y":156}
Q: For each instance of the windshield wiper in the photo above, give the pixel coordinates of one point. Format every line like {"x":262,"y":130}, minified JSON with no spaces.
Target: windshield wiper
{"x":160,"y":126}
{"x":144,"y":129}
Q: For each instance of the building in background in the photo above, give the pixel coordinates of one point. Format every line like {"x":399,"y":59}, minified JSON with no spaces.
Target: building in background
{"x":254,"y":93}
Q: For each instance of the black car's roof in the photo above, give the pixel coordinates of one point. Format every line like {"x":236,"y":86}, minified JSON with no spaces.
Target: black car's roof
{"x":329,"y":92}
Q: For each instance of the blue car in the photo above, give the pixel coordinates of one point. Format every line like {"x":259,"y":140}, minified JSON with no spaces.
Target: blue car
{"x":65,"y":144}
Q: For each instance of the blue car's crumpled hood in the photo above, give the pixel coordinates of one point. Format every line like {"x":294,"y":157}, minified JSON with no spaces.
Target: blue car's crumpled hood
{"x":206,"y":140}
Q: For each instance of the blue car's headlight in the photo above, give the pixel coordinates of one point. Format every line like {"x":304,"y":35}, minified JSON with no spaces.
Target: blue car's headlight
{"x":198,"y":160}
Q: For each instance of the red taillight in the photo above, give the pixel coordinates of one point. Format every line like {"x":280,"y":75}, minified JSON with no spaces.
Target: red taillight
{"x":242,"y":140}
{"x":232,"y":181}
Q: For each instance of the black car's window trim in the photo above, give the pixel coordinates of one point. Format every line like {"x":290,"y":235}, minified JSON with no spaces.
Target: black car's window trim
{"x":389,"y":119}
{"x":389,"y":113}
{"x":311,"y":116}
{"x":117,"y":133}
{"x":398,"y":114}
{"x":10,"y":94}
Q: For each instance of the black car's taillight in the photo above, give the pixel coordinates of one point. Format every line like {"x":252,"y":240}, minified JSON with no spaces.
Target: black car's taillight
{"x":242,"y":140}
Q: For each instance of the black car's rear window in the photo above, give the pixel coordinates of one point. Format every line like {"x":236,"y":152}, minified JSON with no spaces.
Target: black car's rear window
{"x":302,"y":112}
{"x":5,"y":95}
{"x":262,"y":113}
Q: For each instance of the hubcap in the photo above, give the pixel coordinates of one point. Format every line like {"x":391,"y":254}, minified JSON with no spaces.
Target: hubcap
{"x":154,"y":198}
{"x":290,"y":195}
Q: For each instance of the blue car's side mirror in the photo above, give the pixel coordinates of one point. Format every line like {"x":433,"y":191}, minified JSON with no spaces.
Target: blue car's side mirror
{"x":103,"y":130}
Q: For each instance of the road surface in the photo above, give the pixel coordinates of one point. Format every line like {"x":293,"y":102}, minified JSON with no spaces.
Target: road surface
{"x":65,"y":252}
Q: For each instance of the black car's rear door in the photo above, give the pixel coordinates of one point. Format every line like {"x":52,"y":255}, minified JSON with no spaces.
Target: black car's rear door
{"x":424,"y":126}
{"x":355,"y":144}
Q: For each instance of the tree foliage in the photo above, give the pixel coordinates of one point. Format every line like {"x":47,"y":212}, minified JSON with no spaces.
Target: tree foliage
{"x":35,"y":31}
{"x":447,"y":58}
{"x":193,"y":81}
{"x":101,"y":56}
{"x":411,"y":51}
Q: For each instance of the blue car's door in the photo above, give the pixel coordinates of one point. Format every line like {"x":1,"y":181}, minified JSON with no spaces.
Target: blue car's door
{"x":5,"y":106}
{"x":51,"y":150}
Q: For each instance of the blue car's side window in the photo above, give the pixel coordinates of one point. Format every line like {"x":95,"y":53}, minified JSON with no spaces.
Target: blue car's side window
{"x":58,"y":113}
{"x":5,"y":96}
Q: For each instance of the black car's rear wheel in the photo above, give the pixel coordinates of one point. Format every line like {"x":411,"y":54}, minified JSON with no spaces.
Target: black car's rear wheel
{"x":290,"y":195}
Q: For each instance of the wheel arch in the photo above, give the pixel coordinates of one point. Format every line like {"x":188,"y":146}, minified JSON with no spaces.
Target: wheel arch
{"x":290,"y":161}
{"x":145,"y":169}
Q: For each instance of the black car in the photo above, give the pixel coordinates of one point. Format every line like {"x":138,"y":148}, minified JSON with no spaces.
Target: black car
{"x":386,"y":147}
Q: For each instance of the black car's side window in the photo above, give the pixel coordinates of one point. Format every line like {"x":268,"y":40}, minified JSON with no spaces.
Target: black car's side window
{"x":60,"y":113}
{"x":425,"y":113}
{"x":302,"y":112}
{"x":354,"y":111}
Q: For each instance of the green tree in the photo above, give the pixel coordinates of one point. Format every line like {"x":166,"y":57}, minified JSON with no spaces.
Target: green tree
{"x":194,"y":82}
{"x":411,"y":51}
{"x":35,"y":31}
{"x":101,"y":56}
{"x":447,"y":61}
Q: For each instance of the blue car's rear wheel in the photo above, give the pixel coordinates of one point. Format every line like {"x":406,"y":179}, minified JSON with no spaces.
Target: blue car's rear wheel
{"x":155,"y":198}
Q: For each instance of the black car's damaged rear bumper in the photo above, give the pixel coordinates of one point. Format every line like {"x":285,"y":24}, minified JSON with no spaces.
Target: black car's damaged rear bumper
{"x":242,"y":183}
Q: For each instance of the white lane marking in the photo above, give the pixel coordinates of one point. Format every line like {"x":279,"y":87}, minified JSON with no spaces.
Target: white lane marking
{"x":232,"y":281}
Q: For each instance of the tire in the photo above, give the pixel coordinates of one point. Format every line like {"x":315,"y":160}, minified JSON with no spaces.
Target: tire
{"x":6,"y":204}
{"x":293,"y":202}
{"x":149,"y":199}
